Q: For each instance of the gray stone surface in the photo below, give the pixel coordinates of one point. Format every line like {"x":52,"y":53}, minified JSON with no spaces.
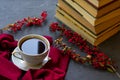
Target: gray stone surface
{"x":12,"y":10}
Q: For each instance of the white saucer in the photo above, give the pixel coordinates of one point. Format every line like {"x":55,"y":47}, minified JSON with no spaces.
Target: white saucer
{"x":24,"y":66}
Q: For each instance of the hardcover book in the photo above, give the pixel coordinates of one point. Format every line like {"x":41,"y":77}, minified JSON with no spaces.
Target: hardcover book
{"x":98,"y":12}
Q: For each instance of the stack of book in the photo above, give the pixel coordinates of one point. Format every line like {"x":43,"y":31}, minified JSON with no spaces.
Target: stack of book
{"x":94,"y":20}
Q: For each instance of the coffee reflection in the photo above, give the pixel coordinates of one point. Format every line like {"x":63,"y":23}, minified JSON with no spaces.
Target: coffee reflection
{"x":33,"y":46}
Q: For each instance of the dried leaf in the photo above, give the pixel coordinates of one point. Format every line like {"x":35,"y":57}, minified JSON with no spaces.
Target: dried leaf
{"x":110,"y":69}
{"x":101,"y":64}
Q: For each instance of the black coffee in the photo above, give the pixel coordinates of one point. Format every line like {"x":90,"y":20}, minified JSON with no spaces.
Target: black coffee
{"x":33,"y":46}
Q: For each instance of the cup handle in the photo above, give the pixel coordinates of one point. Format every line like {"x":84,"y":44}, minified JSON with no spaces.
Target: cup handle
{"x":14,"y":54}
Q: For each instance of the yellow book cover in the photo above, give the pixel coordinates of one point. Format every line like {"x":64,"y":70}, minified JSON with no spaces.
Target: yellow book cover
{"x":99,"y":3}
{"x":98,"y":12}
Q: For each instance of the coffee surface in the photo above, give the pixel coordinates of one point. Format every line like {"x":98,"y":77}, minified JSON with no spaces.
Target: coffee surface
{"x":33,"y":46}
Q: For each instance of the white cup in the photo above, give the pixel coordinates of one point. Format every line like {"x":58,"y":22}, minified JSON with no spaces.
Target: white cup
{"x":32,"y":59}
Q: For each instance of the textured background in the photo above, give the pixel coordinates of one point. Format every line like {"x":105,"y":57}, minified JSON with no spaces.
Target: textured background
{"x":13,"y":10}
